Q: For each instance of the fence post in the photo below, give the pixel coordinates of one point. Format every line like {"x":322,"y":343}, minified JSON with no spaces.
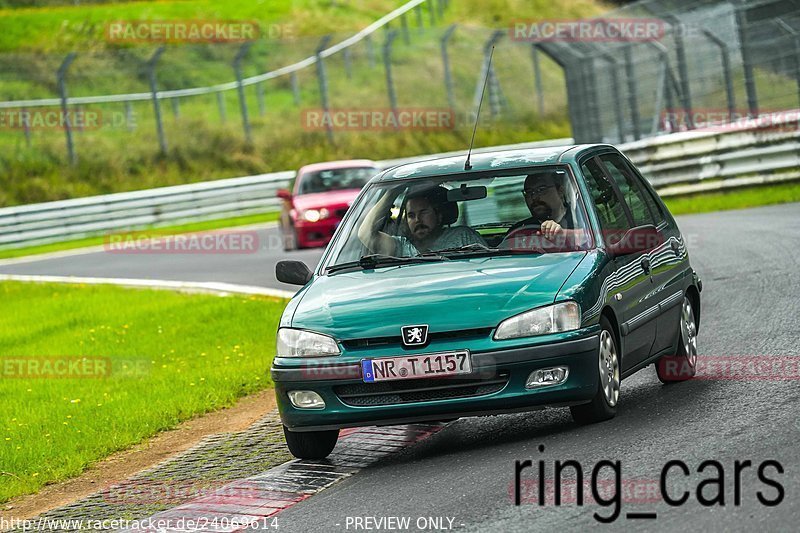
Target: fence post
{"x":448,"y":76}
{"x":683,"y":71}
{"x":632,"y":99}
{"x":387,"y":65}
{"x":667,"y":85}
{"x":223,"y":115}
{"x":295,"y":87}
{"x":262,"y":107}
{"x":431,"y":13}
{"x":237,"y":69}
{"x":725,"y":55}
{"x":26,"y":124}
{"x":404,"y":26}
{"x":370,"y":51}
{"x":747,"y":64}
{"x":418,"y":11}
{"x":495,"y":97}
{"x":348,"y":62}
{"x":62,"y":91}
{"x":440,"y":8}
{"x":129,"y":116}
{"x":323,"y":84}
{"x":176,"y":107}
{"x":796,"y":56}
{"x":537,"y":74}
{"x":151,"y":76}
{"x":617,"y":95}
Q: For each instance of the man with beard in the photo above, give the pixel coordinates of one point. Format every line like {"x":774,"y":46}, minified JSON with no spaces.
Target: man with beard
{"x":424,"y":213}
{"x":550,"y":215}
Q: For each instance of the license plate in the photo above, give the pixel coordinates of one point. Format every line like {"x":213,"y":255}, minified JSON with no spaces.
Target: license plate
{"x":416,"y":366}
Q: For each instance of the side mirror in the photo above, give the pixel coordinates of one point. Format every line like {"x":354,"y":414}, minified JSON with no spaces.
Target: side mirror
{"x":635,"y":240}
{"x":284,"y":194}
{"x":293,"y":272}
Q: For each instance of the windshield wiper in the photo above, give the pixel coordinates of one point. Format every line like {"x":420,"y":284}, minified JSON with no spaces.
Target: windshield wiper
{"x":374,"y":260}
{"x":477,"y":248}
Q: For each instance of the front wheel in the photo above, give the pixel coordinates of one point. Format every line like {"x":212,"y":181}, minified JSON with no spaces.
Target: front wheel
{"x":311,"y":444}
{"x":682,"y":365}
{"x":604,"y":404}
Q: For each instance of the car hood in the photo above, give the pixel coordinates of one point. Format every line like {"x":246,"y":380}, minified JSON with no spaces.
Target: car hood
{"x":325,"y":199}
{"x":448,"y":296}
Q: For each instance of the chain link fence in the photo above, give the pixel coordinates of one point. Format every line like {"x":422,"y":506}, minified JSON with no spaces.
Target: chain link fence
{"x":712,"y":59}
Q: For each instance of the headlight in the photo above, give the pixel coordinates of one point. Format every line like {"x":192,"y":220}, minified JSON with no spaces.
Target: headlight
{"x":313,"y":215}
{"x":563,"y":316}
{"x":300,"y":343}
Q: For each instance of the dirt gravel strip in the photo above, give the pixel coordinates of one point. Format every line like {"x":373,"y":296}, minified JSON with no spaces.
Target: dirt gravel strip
{"x":227,"y":482}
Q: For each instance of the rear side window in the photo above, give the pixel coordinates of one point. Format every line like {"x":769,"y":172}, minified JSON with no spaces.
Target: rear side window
{"x":609,"y":209}
{"x":640,"y":203}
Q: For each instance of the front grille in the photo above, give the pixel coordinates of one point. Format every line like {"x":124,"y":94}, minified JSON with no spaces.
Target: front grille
{"x":432,"y":336}
{"x":418,"y":390}
{"x":340,"y":213}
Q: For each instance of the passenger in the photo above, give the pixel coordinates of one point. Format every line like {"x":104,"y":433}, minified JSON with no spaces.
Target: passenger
{"x":426,"y":213}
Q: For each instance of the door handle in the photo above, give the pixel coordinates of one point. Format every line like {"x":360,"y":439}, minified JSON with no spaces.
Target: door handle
{"x":645,"y":265}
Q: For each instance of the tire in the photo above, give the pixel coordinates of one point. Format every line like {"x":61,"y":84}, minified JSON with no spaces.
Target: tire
{"x":604,"y":404}
{"x":289,"y":239}
{"x":683,"y":365}
{"x":311,"y":444}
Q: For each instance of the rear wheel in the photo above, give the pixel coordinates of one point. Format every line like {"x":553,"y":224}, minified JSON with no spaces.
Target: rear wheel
{"x":682,"y":365}
{"x":604,"y":404}
{"x":311,"y":444}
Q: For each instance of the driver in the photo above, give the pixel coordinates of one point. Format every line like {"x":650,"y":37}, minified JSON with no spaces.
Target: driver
{"x":423,"y":216}
{"x":546,"y":201}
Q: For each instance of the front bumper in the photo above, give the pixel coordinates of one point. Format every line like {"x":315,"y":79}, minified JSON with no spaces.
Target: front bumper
{"x":316,"y":234}
{"x":580,"y":355}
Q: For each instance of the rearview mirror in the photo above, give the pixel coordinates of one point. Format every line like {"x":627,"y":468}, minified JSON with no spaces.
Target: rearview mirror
{"x":464,"y":193}
{"x":283,"y":194}
{"x":293,"y":272}
{"x":635,"y":240}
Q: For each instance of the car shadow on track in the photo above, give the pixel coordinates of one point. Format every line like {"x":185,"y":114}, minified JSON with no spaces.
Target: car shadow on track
{"x":644,"y":402}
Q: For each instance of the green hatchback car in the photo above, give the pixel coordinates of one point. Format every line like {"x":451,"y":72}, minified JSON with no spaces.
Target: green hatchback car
{"x":517,"y":280}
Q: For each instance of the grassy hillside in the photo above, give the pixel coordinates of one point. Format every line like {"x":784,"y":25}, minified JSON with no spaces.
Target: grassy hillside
{"x":202,"y":143}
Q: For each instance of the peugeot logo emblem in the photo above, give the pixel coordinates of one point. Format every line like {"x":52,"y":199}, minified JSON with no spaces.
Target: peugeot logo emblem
{"x":415,"y":335}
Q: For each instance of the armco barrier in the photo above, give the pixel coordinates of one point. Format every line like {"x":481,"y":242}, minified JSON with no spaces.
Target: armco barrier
{"x":679,"y":163}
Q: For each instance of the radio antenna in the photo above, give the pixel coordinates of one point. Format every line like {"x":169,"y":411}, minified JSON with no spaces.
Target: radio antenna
{"x":467,"y":165}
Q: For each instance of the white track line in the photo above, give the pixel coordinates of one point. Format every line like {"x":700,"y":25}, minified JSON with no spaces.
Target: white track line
{"x":212,"y":287}
{"x":101,"y":248}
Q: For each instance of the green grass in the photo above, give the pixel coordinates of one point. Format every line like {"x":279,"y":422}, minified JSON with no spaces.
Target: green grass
{"x":191,"y":354}
{"x":162,"y":230}
{"x":735,"y":199}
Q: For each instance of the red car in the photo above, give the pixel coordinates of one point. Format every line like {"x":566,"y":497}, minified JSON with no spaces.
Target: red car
{"x":318,"y":200}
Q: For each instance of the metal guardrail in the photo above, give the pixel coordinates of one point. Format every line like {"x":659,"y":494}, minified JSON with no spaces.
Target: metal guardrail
{"x":220,"y":87}
{"x":680,"y":163}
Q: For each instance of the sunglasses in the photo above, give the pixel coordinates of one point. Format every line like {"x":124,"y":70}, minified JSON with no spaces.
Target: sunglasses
{"x":537,"y":191}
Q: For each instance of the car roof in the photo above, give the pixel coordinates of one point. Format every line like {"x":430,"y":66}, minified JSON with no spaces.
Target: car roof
{"x":314,"y":167}
{"x":488,"y":161}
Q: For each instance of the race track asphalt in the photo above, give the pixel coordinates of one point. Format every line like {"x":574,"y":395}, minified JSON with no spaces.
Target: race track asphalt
{"x":749,"y":264}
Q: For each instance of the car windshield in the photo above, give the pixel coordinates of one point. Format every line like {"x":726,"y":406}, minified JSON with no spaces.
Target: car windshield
{"x":335,"y":179}
{"x":525,"y":211}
